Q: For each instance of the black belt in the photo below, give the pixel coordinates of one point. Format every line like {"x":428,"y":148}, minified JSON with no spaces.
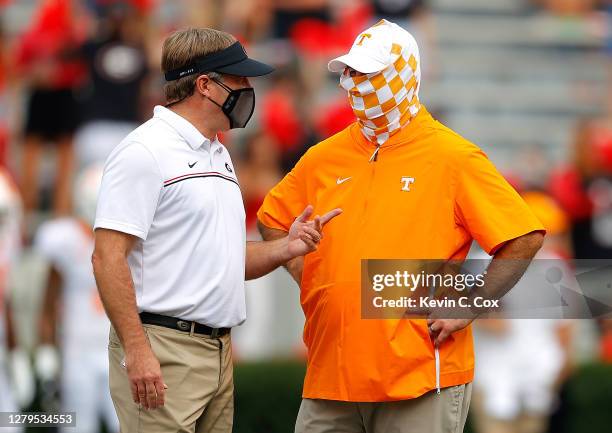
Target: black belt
{"x":182,"y":325}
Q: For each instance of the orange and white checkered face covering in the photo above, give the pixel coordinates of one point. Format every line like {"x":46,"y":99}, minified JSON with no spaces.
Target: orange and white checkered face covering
{"x":385,"y":101}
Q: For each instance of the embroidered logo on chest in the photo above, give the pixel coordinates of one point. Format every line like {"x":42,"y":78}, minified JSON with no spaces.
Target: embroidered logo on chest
{"x":406,"y":182}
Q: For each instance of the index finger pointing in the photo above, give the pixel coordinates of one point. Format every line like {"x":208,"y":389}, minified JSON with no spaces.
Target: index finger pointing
{"x":330,"y":215}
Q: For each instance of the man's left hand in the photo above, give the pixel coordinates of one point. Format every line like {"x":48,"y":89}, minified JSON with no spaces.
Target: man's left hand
{"x":440,"y":329}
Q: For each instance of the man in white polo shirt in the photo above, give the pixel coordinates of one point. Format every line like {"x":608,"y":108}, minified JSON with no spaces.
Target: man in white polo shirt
{"x":171,"y":255}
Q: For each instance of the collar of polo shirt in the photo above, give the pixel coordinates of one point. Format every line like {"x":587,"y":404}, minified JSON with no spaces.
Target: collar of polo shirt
{"x":190,"y":133}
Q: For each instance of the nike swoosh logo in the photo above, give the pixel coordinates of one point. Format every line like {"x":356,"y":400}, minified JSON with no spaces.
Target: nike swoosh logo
{"x":339,"y":181}
{"x":191,"y":165}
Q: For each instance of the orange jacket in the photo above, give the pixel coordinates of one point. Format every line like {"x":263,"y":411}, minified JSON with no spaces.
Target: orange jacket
{"x":455,"y":195}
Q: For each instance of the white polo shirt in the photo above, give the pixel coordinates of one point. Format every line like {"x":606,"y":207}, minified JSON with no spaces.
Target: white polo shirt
{"x":177,"y":191}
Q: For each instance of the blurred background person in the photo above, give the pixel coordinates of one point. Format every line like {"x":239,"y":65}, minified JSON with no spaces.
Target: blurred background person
{"x":4,"y":78}
{"x":583,"y":187}
{"x":305,"y":24}
{"x":16,"y":378}
{"x":72,"y":317}
{"x":113,"y":97}
{"x":522,"y":362}
{"x":568,"y":7}
{"x":286,"y":119}
{"x":49,"y":63}
{"x":258,"y":170}
{"x":605,"y":329}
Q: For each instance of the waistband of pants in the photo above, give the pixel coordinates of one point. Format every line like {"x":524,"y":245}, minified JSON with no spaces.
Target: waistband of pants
{"x":182,"y":325}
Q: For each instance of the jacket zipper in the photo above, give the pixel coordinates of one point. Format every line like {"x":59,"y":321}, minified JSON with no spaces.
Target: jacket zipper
{"x":372,"y":164}
{"x":374,"y":158}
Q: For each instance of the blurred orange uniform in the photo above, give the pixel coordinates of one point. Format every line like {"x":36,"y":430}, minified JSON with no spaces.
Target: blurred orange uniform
{"x":426,"y":196}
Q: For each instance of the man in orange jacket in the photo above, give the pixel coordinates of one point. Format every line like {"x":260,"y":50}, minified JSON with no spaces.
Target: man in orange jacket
{"x":410,"y":188}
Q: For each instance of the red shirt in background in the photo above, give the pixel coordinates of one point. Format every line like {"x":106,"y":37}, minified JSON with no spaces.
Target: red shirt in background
{"x":48,"y":49}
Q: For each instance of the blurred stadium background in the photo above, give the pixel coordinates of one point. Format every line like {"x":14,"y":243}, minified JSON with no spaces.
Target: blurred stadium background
{"x":530,"y":81}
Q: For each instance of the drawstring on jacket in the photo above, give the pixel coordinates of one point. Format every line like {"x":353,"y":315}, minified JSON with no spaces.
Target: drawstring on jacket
{"x":437,"y":354}
{"x":374,"y":156}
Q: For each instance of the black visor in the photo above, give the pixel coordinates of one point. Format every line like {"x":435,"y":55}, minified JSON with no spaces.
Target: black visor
{"x":233,"y":60}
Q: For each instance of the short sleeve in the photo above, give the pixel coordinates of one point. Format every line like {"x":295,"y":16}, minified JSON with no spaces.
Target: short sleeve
{"x":287,"y":200}
{"x":487,"y":206}
{"x":129,"y":192}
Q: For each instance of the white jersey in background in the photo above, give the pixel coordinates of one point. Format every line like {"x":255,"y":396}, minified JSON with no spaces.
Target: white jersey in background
{"x":516,"y":369}
{"x":10,"y":240}
{"x":10,"y":249}
{"x":67,"y":244}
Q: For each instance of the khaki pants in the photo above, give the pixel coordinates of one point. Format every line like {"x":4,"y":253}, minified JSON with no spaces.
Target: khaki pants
{"x":431,"y":413}
{"x":199,"y":374}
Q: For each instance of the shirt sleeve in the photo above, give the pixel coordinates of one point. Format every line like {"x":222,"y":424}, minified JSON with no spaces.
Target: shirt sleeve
{"x":286,"y":201}
{"x":487,"y":206}
{"x":129,"y":192}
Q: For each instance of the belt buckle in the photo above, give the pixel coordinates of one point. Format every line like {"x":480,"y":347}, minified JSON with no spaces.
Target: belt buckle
{"x":214,"y":333}
{"x":183,"y":325}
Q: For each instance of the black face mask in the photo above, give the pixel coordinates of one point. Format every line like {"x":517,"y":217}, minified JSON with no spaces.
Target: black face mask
{"x":238,"y":106}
